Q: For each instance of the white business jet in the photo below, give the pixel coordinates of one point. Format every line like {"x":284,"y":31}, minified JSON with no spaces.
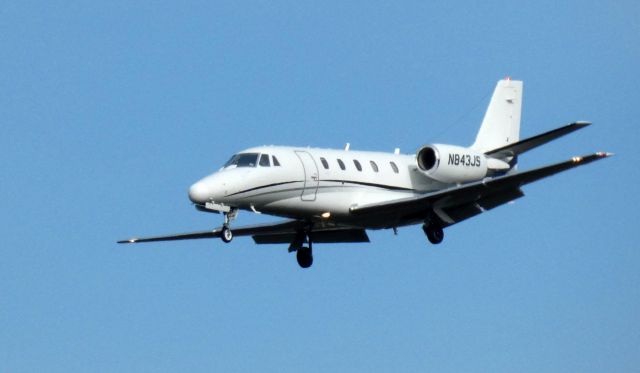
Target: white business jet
{"x":334,"y":196}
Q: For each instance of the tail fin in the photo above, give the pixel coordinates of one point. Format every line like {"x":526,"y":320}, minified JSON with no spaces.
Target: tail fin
{"x":501,"y":124}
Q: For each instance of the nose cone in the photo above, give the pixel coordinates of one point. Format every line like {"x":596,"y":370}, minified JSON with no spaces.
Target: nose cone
{"x":199,"y":193}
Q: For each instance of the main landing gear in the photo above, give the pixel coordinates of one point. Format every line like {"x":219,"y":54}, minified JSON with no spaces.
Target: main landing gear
{"x":226,"y":235}
{"x":304,"y":254}
{"x":434,"y":232}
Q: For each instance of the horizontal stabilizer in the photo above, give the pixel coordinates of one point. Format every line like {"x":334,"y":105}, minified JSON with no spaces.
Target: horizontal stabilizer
{"x":520,"y":147}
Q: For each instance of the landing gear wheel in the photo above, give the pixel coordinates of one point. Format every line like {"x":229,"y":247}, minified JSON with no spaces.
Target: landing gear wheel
{"x":434,"y":233}
{"x":226,"y":234}
{"x":304,"y":257}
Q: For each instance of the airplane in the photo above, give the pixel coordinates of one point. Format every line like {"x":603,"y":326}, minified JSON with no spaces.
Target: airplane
{"x":335,"y":196}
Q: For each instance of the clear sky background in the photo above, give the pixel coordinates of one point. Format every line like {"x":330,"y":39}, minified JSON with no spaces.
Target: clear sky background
{"x":110,"y":110}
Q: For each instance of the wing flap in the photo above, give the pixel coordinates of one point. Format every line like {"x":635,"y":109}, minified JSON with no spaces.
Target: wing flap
{"x":274,"y":238}
{"x":456,"y":214}
{"x":492,"y":201}
{"x":327,"y":236}
{"x":459,"y":213}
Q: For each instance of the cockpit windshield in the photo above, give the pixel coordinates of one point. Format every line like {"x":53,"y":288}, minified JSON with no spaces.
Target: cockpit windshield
{"x":243,"y":160}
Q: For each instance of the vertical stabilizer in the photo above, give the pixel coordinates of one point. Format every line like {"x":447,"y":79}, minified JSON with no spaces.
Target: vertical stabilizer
{"x":501,"y":123}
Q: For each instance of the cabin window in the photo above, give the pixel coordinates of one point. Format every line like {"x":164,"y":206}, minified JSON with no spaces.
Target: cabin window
{"x":264,"y":160}
{"x":275,"y":161}
{"x":341,"y":164}
{"x":358,"y":166}
{"x":243,"y":160}
{"x":325,"y":164}
{"x":395,"y":168}
{"x":374,"y":166}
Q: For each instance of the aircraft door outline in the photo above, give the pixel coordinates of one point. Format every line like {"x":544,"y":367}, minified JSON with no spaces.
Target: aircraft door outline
{"x":311,"y":176}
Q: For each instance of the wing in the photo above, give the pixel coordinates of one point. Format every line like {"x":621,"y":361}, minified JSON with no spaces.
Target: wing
{"x":280,"y":232}
{"x":461,"y":202}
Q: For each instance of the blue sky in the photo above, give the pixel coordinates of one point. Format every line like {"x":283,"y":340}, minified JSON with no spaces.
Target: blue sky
{"x":110,"y":110}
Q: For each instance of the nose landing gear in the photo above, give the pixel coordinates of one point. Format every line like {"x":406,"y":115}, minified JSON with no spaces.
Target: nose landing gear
{"x":226,"y":235}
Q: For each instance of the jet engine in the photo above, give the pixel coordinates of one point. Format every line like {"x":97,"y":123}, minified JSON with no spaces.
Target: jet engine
{"x":451,"y":164}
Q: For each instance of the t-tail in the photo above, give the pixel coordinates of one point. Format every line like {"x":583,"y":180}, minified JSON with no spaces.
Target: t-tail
{"x":499,"y":134}
{"x":501,"y":124}
{"x":497,"y":145}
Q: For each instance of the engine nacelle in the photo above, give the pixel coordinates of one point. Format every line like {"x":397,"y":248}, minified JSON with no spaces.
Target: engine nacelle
{"x":451,"y":164}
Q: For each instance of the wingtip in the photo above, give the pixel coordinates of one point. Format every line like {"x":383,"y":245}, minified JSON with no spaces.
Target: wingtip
{"x":131,"y":240}
{"x":583,"y":123}
{"x":591,"y":157}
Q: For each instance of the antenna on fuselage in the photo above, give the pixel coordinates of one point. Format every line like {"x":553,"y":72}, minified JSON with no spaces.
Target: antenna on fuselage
{"x":396,"y":151}
{"x":346,"y":147}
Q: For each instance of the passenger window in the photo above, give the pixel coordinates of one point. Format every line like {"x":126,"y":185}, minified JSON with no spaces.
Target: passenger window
{"x":395,"y":168}
{"x":275,"y":161}
{"x":341,"y":164}
{"x":264,"y":160}
{"x":357,"y":165}
{"x":325,"y":164}
{"x":374,"y":166}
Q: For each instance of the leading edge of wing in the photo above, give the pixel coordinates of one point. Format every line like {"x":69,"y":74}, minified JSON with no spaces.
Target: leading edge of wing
{"x":278,"y":227}
{"x":476,"y":190}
